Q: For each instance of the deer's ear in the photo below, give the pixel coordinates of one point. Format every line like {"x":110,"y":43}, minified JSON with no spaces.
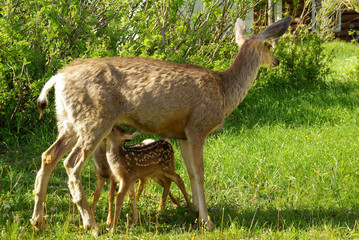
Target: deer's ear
{"x":275,"y":30}
{"x":240,"y":31}
{"x":132,"y":135}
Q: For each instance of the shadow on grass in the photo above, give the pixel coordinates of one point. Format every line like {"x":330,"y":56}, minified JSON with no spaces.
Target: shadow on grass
{"x":305,"y":104}
{"x":224,"y":216}
{"x":300,"y":218}
{"x":292,"y":106}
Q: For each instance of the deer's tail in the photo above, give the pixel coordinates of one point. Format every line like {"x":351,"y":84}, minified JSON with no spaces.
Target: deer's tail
{"x":42,"y":99}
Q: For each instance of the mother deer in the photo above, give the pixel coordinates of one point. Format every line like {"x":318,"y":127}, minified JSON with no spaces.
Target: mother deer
{"x":172,"y":100}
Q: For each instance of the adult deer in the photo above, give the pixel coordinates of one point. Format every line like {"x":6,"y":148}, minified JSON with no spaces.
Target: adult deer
{"x":172,"y":100}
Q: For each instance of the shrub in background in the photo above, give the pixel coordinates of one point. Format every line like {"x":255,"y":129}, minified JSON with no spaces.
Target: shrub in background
{"x":39,"y":37}
{"x":303,"y":60}
{"x":36,"y":39}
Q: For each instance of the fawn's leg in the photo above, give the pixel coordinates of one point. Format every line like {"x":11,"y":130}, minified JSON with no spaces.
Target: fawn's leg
{"x":100,"y":183}
{"x":131,"y":193}
{"x":140,"y":188}
{"x":111,"y":197}
{"x":174,"y":200}
{"x":50,"y":158}
{"x":166,"y":188}
{"x":180,"y":183}
{"x":119,"y":201}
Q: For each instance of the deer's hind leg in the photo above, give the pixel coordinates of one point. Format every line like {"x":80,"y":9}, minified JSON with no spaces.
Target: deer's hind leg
{"x":88,"y":140}
{"x":63,"y":144}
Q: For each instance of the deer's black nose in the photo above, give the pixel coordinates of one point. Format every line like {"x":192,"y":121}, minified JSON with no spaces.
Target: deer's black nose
{"x":276,"y":62}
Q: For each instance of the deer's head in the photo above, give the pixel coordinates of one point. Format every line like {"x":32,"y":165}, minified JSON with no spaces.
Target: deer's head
{"x":260,"y":43}
{"x":120,"y":135}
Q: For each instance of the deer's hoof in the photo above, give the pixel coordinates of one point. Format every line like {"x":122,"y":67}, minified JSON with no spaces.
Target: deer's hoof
{"x":192,"y":207}
{"x":34,"y":223}
{"x":134,"y":222}
{"x":38,"y":225}
{"x":209,"y":225}
{"x":96,"y":230}
{"x":109,"y":222}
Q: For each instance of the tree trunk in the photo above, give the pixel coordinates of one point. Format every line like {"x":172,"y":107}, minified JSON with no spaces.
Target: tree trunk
{"x":270,"y":12}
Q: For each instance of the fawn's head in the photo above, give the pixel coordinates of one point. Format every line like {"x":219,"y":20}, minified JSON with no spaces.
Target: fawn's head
{"x":120,"y":135}
{"x":260,"y":43}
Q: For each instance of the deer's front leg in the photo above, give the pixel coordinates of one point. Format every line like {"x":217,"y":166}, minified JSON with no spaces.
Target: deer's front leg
{"x":186,"y":154}
{"x":196,"y":157}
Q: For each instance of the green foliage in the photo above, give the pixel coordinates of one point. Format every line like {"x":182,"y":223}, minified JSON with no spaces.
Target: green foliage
{"x":39,"y":37}
{"x":285,"y":166}
{"x":341,"y":51}
{"x":302,"y":58}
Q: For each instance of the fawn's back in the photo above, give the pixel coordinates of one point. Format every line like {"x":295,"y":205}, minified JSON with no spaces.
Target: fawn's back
{"x":146,"y":161}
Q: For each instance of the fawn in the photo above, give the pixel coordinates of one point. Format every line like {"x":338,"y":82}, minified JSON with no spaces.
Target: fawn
{"x":154,"y":160}
{"x":103,"y":171}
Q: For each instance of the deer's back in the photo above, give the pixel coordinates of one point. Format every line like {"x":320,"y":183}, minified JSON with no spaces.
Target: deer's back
{"x":150,"y":95}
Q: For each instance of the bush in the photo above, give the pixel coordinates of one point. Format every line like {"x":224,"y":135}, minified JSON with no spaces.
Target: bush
{"x":37,"y":39}
{"x":303,"y":60}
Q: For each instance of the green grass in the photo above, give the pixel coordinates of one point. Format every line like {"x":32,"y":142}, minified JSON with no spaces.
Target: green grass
{"x":285,"y":166}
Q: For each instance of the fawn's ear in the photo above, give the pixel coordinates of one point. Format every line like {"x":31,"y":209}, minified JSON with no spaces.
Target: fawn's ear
{"x":240,"y":31}
{"x":132,"y":135}
{"x":275,"y":30}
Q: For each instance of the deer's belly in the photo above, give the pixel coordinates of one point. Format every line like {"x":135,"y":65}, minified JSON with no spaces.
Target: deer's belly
{"x":173,"y":127}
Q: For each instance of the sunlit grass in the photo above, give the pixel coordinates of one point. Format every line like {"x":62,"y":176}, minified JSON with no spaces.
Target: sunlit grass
{"x":285,"y":166}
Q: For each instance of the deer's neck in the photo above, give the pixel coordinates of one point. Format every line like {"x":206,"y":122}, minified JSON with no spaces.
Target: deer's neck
{"x":239,"y":77}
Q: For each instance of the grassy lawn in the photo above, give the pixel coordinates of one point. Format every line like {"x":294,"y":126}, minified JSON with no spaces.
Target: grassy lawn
{"x":285,"y":166}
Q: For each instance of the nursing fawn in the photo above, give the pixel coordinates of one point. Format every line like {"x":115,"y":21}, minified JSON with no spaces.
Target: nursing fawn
{"x":154,"y":160}
{"x":103,"y":172}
